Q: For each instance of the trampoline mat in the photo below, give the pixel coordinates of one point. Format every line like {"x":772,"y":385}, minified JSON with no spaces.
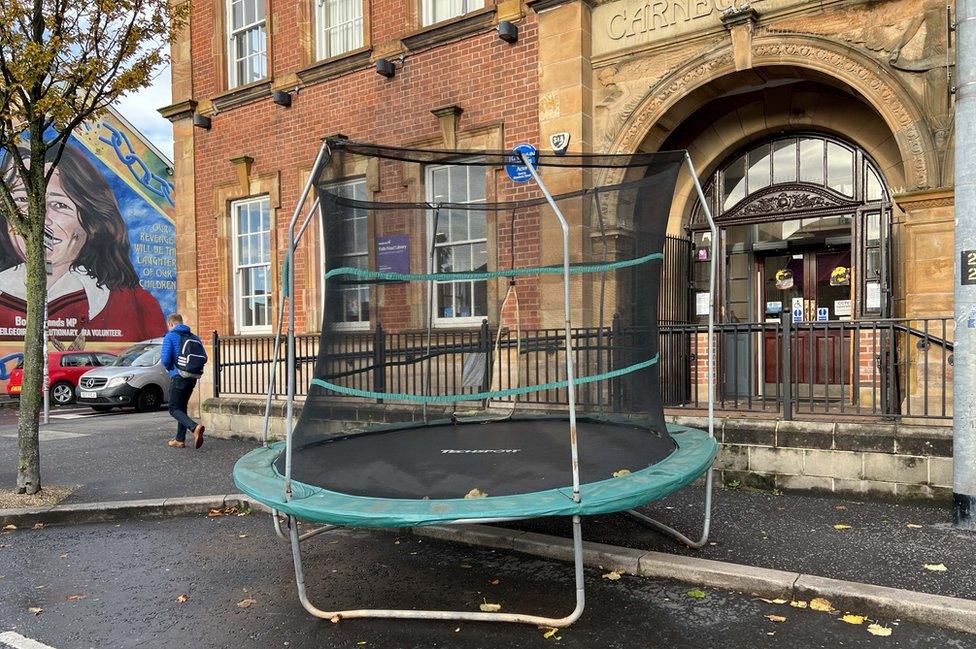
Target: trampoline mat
{"x":500,"y":458}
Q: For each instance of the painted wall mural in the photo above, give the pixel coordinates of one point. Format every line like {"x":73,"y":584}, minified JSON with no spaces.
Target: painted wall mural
{"x":110,"y":242}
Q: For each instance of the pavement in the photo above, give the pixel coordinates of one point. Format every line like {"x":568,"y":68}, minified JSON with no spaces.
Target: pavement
{"x":121,"y":455}
{"x":119,"y":585}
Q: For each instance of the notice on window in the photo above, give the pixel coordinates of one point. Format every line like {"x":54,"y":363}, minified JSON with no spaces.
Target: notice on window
{"x":703,"y":304}
{"x":774,"y":308}
{"x":842,"y":308}
{"x":872,"y":301}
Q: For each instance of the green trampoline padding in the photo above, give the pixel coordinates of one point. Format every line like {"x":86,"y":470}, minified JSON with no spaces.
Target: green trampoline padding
{"x":255,"y":475}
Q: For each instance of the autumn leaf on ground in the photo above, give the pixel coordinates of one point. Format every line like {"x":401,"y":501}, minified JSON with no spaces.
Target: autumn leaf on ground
{"x":214,"y":513}
{"x":841,"y":526}
{"x":821,"y":604}
{"x":913,"y":526}
{"x":696,"y":593}
{"x":936,"y":567}
{"x":182,"y":599}
{"x":242,"y":536}
{"x":38,"y":526}
{"x":621,"y":473}
{"x":476,"y":493}
{"x":335,"y":619}
{"x":490,"y":608}
{"x":35,"y":610}
{"x":775,"y":618}
{"x":548,"y":634}
{"x":773,"y":601}
{"x":877,"y":629}
{"x":75,"y":598}
{"x":798,"y":603}
{"x":9,"y":528}
{"x":840,"y":508}
{"x":247,"y":602}
{"x":63,"y":556}
{"x":853,"y":619}
{"x":613,"y":575}
{"x":495,"y":582}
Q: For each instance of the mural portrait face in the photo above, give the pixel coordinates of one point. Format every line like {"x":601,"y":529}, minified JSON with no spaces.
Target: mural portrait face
{"x":64,"y":235}
{"x":93,"y":289}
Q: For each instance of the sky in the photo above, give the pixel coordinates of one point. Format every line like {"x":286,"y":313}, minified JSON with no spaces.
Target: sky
{"x":141,"y":109}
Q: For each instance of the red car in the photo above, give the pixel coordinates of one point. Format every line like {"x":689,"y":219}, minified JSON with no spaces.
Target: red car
{"x":64,"y":370}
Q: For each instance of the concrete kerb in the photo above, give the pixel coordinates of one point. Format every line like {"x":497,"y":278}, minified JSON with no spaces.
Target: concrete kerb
{"x":106,"y":512}
{"x":934,"y":610}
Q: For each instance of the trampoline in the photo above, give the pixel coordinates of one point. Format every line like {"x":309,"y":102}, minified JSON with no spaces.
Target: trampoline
{"x":508,"y":424}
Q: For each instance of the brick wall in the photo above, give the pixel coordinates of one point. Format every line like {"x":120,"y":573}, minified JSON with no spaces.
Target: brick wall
{"x":496,"y":84}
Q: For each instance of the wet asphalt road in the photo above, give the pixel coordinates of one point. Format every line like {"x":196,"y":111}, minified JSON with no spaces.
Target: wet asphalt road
{"x":132,"y":574}
{"x":121,"y":455}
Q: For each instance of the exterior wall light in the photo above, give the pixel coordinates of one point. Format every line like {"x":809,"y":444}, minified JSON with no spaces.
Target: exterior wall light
{"x":385,"y":68}
{"x":201,"y":121}
{"x":282,"y":98}
{"x":508,"y":31}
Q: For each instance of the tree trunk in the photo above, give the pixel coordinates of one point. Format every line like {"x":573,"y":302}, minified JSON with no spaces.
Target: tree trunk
{"x":31,"y":398}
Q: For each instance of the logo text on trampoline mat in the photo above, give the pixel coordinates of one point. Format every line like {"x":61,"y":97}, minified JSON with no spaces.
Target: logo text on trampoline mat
{"x":480,"y":450}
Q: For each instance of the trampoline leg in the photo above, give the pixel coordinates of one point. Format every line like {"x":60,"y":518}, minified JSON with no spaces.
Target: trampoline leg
{"x":441,"y":615}
{"x":675,"y":534}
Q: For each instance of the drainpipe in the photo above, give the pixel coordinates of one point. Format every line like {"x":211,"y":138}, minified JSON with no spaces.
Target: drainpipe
{"x":964,"y":366}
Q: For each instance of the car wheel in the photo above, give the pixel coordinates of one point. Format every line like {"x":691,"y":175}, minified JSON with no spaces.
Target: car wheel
{"x":62,"y":393}
{"x":101,"y":408}
{"x":150,"y":398}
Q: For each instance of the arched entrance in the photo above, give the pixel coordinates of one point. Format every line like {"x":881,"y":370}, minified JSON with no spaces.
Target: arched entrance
{"x":805,"y":227}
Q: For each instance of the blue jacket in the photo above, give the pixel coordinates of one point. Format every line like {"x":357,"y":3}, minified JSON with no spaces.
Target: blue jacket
{"x":171,"y":348}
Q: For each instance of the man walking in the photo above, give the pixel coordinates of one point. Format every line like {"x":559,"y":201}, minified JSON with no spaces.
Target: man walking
{"x":181,"y":382}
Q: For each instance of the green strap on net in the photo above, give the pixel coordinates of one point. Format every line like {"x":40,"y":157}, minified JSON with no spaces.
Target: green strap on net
{"x":491,"y":274}
{"x":478,"y":396}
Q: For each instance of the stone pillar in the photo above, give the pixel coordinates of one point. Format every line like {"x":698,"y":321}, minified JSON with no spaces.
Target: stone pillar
{"x":565,"y":105}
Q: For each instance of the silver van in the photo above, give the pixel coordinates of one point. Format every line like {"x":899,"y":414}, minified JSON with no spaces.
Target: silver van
{"x":137,"y":378}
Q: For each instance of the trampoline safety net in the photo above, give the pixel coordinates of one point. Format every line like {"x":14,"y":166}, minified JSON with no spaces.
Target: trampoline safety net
{"x":444,"y":297}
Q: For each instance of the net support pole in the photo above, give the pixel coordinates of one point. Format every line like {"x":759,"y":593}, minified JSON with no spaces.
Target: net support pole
{"x":710,"y":377}
{"x":287,"y":291}
{"x":570,"y":373}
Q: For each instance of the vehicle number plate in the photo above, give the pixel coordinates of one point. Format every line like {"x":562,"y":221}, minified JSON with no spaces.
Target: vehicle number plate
{"x":88,"y":395}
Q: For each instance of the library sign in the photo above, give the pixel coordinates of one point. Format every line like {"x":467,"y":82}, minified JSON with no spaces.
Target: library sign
{"x":629,"y":23}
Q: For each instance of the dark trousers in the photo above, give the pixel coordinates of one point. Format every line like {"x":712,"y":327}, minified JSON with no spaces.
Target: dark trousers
{"x":180,"y":390}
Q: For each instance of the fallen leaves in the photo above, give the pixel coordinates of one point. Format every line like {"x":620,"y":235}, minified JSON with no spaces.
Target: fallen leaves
{"x":841,"y":526}
{"x":476,"y":493}
{"x":773,"y":601}
{"x":77,"y":597}
{"x":495,"y":582}
{"x":548,"y":634}
{"x":775,"y":618}
{"x":490,"y":608}
{"x":853,"y":619}
{"x":38,"y":526}
{"x":613,"y":575}
{"x":821,"y":604}
{"x":247,"y":602}
{"x":9,"y":528}
{"x":335,"y":619}
{"x":935,"y":567}
{"x":35,"y":610}
{"x":696,"y":593}
{"x":877,"y":629}
{"x":798,"y":603}
{"x":913,"y":526}
{"x":229,"y":511}
{"x":182,"y":599}
{"x":621,"y":473}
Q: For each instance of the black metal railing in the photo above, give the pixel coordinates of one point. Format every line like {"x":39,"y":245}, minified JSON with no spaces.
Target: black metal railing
{"x":882,"y":369}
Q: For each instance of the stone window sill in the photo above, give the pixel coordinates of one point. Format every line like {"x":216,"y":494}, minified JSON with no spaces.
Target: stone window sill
{"x":243,"y":95}
{"x":448,"y":30}
{"x":358,"y":59}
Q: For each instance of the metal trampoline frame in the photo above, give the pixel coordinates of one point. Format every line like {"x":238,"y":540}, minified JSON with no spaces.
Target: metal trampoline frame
{"x":295,"y":538}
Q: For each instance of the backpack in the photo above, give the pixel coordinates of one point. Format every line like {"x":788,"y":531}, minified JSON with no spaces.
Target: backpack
{"x":192,"y":357}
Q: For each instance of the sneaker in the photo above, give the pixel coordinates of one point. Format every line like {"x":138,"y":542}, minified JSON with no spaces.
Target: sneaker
{"x":198,"y":436}
{"x":175,"y":443}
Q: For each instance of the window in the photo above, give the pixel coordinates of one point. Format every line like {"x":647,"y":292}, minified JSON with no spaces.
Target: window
{"x":105,"y":359}
{"x":339,"y":25}
{"x":349,"y":248}
{"x":75,"y":360}
{"x":435,"y":11}
{"x":460,"y":244}
{"x":252,"y":265}
{"x":247,"y":42}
